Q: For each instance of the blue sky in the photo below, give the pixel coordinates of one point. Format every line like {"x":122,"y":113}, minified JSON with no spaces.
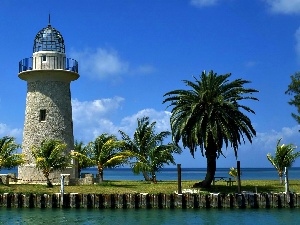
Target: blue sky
{"x":131,"y":52}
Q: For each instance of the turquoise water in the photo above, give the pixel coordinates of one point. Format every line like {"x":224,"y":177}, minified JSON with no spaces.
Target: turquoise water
{"x":149,"y":217}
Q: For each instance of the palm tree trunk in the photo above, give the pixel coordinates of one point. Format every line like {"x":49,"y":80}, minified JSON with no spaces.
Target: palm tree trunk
{"x":280,"y":179}
{"x":146,"y":176}
{"x":211,"y":161}
{"x":100,"y":173}
{"x":210,"y":170}
{"x":49,"y":184}
{"x":153,"y":178}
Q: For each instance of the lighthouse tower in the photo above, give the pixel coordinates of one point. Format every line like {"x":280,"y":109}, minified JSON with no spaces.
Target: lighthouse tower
{"x":48,"y":113}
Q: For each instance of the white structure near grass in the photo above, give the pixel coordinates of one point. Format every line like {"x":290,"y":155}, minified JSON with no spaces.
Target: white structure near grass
{"x":48,"y":113}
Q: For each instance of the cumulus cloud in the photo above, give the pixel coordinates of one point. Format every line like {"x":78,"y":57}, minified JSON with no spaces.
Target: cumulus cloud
{"x":92,"y":118}
{"x":87,"y":111}
{"x":203,"y":3}
{"x":284,"y":6}
{"x":162,"y":119}
{"x":102,"y":63}
{"x":255,"y":154}
{"x":5,"y":130}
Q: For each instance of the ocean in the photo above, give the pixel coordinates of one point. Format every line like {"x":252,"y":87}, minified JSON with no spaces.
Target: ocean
{"x":187,"y":173}
{"x":26,"y":216}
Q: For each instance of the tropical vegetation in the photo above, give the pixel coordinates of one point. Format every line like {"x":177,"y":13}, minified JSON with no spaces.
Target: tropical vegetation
{"x":208,"y":116}
{"x":9,"y":157}
{"x":294,"y":91}
{"x":51,"y":156}
{"x":284,"y":157}
{"x":148,"y":152}
{"x":82,"y":154}
{"x":233,"y":172}
{"x":106,"y":152}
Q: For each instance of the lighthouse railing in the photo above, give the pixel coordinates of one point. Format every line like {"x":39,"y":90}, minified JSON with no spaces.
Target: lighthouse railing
{"x":30,"y":63}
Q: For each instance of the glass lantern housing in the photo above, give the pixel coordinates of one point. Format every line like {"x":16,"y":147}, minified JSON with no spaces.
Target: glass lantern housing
{"x":49,"y":39}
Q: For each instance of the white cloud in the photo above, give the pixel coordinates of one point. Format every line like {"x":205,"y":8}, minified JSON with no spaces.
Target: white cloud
{"x":255,"y":154}
{"x":17,"y":133}
{"x":143,"y":69}
{"x":102,"y":63}
{"x":162,"y":118}
{"x":284,"y":6}
{"x":250,"y":64}
{"x":203,"y":3}
{"x":88,"y":111}
{"x":92,"y":118}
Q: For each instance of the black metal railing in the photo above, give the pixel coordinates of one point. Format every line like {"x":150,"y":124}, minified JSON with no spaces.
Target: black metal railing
{"x":52,"y":62}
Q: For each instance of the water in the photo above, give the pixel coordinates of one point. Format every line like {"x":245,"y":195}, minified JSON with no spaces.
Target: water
{"x":149,"y":217}
{"x":196,"y":174}
{"x":189,"y":173}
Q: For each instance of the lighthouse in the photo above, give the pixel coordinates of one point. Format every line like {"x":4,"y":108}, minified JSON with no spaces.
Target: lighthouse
{"x":48,"y":113}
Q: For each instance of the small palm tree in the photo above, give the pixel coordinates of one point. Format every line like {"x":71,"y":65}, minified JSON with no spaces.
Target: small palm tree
{"x":83,"y":156}
{"x":284,"y":157}
{"x":8,"y":156}
{"x":209,"y":116}
{"x":233,"y":172}
{"x":50,"y":156}
{"x":148,"y":150}
{"x":106,"y":152}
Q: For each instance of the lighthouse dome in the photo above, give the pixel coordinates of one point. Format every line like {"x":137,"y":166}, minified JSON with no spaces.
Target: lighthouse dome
{"x":49,"y":39}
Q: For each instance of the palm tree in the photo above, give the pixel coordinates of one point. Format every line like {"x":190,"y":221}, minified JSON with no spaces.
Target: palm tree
{"x":106,"y":152}
{"x":50,"y":156}
{"x":208,"y":116}
{"x":8,"y":156}
{"x":284,"y":157}
{"x":82,"y":154}
{"x":233,"y":172}
{"x":148,"y":150}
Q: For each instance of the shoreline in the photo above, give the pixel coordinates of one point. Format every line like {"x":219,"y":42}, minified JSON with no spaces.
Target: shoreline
{"x":151,"y":201}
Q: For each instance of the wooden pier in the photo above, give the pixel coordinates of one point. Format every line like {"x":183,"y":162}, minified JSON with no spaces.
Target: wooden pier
{"x":151,"y":201}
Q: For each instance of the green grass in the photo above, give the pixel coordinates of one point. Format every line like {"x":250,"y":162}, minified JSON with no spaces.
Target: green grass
{"x":166,"y":187}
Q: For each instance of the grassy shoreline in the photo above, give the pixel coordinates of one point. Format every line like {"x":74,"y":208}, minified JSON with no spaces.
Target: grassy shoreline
{"x":166,"y":187}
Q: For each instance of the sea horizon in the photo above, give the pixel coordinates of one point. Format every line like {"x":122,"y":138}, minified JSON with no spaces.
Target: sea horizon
{"x":171,"y":173}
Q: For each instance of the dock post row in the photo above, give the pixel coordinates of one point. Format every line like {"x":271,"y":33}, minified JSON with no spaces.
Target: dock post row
{"x":150,"y":201}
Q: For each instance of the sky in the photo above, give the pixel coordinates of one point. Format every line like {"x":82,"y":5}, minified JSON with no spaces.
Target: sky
{"x":132,"y":52}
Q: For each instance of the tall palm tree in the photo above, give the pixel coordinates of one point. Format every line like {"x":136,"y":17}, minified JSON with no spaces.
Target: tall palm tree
{"x":50,"y":156}
{"x":106,"y":152}
{"x":8,"y":156}
{"x":148,"y":150}
{"x":284,"y":157}
{"x":209,"y":116}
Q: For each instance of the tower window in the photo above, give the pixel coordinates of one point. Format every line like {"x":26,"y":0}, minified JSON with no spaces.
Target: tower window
{"x":43,"y":115}
{"x":44,"y":58}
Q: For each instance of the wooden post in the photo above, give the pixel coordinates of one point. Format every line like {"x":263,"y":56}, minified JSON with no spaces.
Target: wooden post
{"x":179,"y":178}
{"x":62,"y":189}
{"x":238,"y":165}
{"x":286,"y":179}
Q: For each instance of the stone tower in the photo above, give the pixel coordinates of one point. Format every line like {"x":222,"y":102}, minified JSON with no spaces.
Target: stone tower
{"x":48,"y":111}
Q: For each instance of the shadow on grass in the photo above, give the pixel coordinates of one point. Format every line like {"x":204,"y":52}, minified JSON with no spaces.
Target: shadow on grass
{"x":115,"y":184}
